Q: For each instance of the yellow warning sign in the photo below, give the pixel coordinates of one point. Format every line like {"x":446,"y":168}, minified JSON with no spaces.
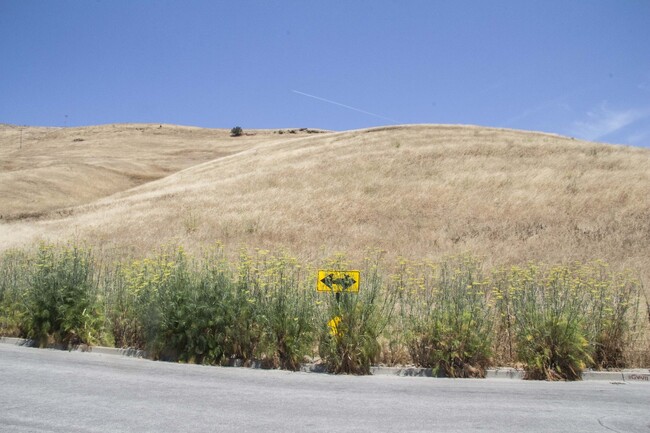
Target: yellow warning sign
{"x":338,"y":281}
{"x":335,"y":327}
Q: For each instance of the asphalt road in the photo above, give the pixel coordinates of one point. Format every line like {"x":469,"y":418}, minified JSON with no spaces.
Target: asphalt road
{"x":54,"y":391}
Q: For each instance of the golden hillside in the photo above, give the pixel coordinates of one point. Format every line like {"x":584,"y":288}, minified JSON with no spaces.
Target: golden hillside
{"x":48,"y":169}
{"x":416,"y":191}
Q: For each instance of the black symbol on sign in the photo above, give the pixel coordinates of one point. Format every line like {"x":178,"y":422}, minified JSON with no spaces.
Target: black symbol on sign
{"x":346,"y":282}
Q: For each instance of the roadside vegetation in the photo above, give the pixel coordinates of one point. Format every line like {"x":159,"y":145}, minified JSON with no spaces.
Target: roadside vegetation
{"x":261,"y":307}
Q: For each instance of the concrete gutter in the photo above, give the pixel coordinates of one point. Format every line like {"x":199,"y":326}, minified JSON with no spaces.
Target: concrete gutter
{"x":504,"y":373}
{"x":81,"y":348}
{"x":16,"y":341}
{"x":641,"y":375}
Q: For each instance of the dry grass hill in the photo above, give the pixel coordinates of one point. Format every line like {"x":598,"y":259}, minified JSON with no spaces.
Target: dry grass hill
{"x":418,"y":191}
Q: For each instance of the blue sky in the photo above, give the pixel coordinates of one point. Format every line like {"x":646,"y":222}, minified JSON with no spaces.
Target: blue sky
{"x":577,"y":68}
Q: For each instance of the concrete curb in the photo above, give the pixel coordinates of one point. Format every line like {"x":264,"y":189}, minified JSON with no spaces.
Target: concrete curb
{"x":641,"y":375}
{"x":401,"y":371}
{"x":16,"y":341}
{"x":612,"y":376}
{"x":135,"y":353}
{"x":128,"y":351}
{"x":504,"y":373}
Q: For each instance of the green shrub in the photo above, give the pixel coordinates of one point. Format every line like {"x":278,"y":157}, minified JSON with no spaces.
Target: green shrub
{"x":285,"y":307}
{"x":119,"y":307}
{"x":195,"y":312}
{"x":136,"y":294}
{"x":553,"y":349}
{"x":264,"y":307}
{"x":173,"y":330}
{"x":14,"y":269}
{"x":564,"y":319}
{"x":446,"y":316}
{"x":236,"y":131}
{"x":174,"y":307}
{"x":547,"y":312}
{"x":613,"y":313}
{"x":61,"y":298}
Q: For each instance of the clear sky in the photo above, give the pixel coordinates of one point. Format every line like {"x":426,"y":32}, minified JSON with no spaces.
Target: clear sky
{"x":573,"y":67}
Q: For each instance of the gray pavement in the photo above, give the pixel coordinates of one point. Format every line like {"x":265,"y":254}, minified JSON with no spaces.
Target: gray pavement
{"x":57,"y":391}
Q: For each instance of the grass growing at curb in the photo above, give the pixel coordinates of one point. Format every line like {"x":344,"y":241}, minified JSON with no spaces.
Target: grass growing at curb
{"x":14,"y":268}
{"x":59,"y":300}
{"x":283,"y":303}
{"x":262,"y":307}
{"x":207,"y":311}
{"x":549,"y":321}
{"x":563,"y":319}
{"x":446,"y":316}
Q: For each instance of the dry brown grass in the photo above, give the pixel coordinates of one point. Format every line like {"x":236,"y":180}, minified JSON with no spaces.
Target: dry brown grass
{"x":49,"y":169}
{"x":416,"y":191}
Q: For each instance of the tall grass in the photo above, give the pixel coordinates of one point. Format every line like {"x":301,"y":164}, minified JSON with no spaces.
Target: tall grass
{"x":614,"y":319}
{"x":446,"y":316}
{"x":281,"y":301}
{"x":548,"y":318}
{"x":209,"y":311}
{"x":60,"y":301}
{"x":562,"y":319}
{"x":14,"y":269}
{"x":262,"y":307}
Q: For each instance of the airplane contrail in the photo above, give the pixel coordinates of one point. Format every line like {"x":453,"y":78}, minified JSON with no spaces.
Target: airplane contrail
{"x":344,"y":106}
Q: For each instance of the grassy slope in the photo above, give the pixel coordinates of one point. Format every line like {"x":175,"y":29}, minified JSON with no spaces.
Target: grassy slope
{"x":414,"y":191}
{"x":48,"y":169}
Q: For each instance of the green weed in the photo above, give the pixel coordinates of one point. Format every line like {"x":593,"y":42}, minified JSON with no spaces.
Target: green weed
{"x":14,"y":268}
{"x":263,"y":308}
{"x":61,"y":298}
{"x":446,"y":316}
